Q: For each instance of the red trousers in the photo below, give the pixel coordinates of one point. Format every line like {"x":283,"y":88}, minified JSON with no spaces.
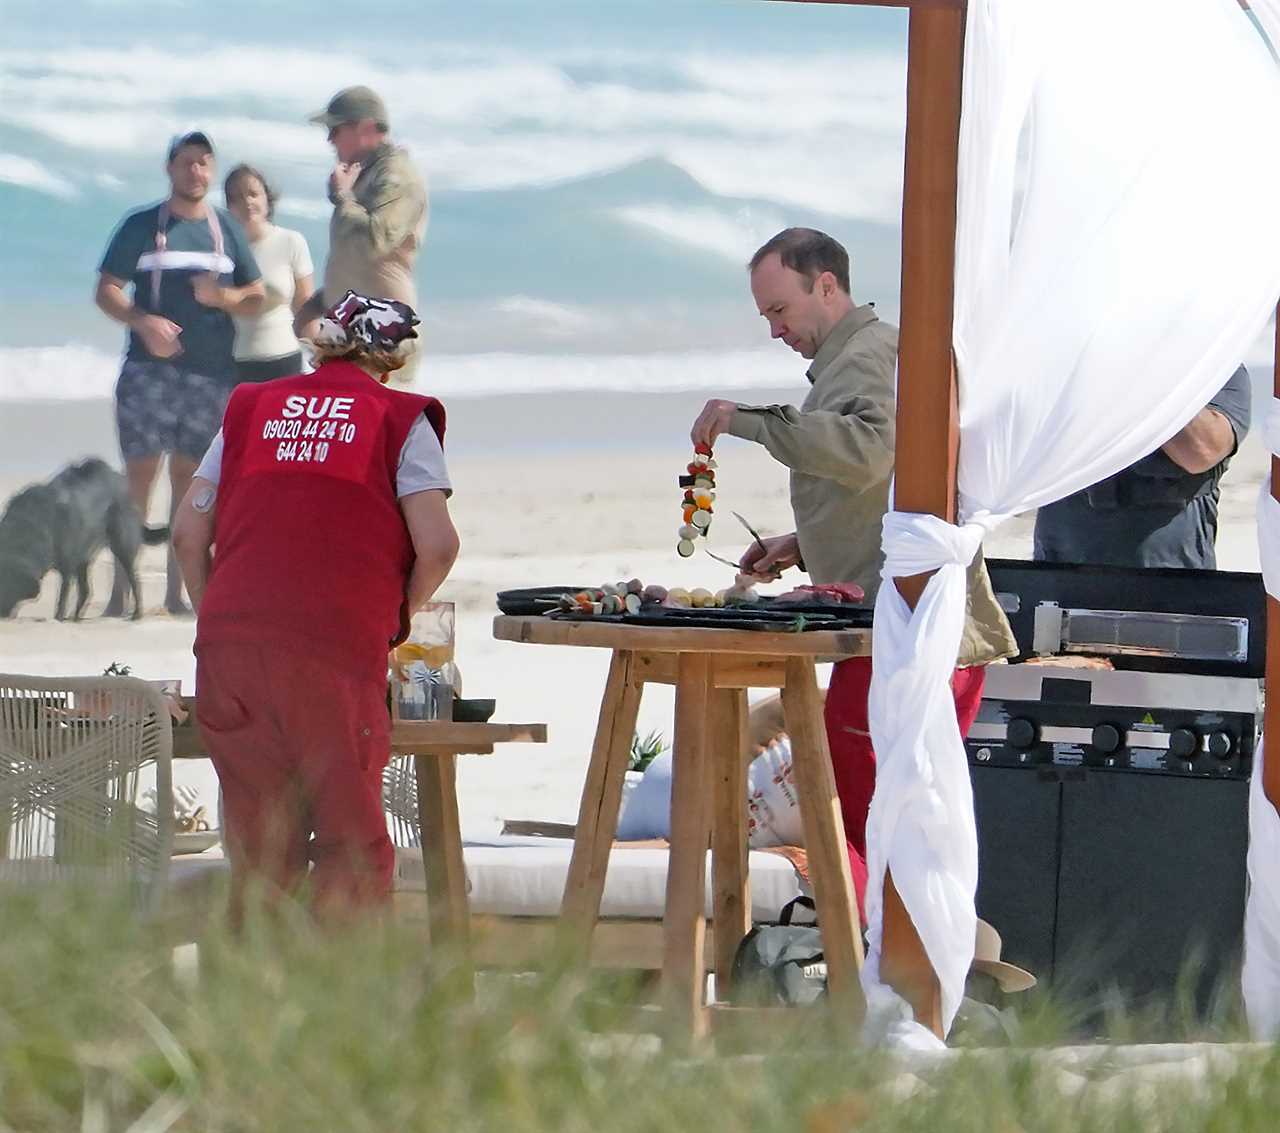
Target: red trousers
{"x":299,"y":748}
{"x":853,"y":760}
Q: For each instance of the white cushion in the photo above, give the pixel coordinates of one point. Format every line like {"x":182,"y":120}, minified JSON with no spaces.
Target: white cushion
{"x":525,"y":877}
{"x":646,"y":808}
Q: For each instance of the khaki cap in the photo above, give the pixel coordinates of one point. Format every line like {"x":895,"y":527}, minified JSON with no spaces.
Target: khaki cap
{"x":353,"y":104}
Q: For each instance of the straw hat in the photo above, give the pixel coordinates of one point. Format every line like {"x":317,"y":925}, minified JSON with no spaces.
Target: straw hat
{"x":986,"y":959}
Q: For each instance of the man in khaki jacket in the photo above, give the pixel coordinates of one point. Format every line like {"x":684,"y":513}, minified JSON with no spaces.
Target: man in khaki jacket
{"x":379,"y":208}
{"x":839,"y":446}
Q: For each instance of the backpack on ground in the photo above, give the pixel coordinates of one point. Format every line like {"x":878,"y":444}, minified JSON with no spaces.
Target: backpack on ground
{"x":782,"y":964}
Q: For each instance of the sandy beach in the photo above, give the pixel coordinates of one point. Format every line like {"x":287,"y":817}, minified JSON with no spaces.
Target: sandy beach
{"x":574,"y":489}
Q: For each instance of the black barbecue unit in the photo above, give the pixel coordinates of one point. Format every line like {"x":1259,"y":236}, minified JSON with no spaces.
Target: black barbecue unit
{"x":1112,"y":806}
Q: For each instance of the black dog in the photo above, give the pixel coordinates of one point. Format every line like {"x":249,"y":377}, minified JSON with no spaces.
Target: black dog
{"x":61,"y":526}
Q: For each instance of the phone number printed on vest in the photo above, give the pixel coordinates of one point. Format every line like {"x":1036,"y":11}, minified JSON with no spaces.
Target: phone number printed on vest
{"x":329,"y":430}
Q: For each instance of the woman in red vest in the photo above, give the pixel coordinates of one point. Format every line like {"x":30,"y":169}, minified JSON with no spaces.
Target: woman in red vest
{"x":325,"y":499}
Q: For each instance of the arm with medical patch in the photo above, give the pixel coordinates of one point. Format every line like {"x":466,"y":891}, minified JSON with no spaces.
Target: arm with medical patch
{"x":193,"y":523}
{"x":423,"y":488}
{"x":392,"y":209}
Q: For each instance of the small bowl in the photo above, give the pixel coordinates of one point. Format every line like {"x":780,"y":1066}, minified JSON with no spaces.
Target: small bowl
{"x":473,"y":711}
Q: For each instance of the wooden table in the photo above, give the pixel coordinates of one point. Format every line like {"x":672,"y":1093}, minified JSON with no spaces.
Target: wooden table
{"x":711,"y":670}
{"x":435,"y":746}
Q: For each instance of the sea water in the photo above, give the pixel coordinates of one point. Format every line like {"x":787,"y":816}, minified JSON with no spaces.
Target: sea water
{"x":599,"y":174}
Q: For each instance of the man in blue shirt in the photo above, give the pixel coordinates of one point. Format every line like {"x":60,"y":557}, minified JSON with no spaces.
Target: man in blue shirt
{"x":190,"y":269}
{"x":1161,"y":511}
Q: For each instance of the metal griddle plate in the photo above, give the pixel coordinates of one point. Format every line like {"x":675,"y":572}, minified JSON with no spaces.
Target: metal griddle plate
{"x":764,"y":615}
{"x":735,"y":617}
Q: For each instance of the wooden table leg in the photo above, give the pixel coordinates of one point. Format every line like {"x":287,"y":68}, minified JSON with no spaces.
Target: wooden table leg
{"x":684,"y":923}
{"x":824,"y":840}
{"x":440,"y":830}
{"x":598,"y":812}
{"x":731,"y":882}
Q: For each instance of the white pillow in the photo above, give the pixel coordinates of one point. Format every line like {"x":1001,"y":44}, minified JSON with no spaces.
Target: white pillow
{"x":773,"y":810}
{"x":773,"y":814}
{"x":646,"y":813}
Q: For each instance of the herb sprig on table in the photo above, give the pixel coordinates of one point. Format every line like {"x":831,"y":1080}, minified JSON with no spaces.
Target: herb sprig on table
{"x":645,"y":751}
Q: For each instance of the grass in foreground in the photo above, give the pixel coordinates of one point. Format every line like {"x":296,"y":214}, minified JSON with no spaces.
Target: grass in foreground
{"x":292,"y":1029}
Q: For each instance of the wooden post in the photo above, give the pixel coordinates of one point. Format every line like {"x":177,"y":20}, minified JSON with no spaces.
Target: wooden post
{"x":927,"y":424}
{"x":1271,"y":715}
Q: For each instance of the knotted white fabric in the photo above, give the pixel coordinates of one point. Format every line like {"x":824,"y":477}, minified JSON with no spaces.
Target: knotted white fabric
{"x":1107,"y":285}
{"x":922,"y":810}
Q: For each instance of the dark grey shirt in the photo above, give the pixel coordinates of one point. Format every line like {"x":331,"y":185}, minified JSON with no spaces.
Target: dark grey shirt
{"x":1153,"y":514}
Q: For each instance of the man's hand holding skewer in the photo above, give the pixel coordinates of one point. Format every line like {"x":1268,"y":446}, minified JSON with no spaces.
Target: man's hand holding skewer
{"x":712,"y":422}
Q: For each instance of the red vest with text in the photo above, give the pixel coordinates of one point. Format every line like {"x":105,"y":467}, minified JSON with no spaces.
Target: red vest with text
{"x":310,"y":547}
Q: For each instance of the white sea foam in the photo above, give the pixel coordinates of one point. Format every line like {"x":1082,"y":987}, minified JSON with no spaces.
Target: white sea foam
{"x":56,"y":373}
{"x":303,"y":208}
{"x":18,"y":170}
{"x":551,"y":321}
{"x":79,"y":373}
{"x":731,"y":234}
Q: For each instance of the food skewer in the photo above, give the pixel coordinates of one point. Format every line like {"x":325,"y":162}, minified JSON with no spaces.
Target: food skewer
{"x":698,"y":483}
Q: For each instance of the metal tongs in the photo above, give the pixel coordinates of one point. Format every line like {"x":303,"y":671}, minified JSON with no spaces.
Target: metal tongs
{"x":752,"y":532}
{"x":754,"y":535}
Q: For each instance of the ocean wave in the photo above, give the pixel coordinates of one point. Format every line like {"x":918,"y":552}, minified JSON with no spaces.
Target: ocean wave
{"x":495,"y":118}
{"x":770,"y":367}
{"x":76,"y":372}
{"x":731,"y":234}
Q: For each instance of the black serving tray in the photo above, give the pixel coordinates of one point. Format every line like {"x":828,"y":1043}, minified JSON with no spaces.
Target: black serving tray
{"x":729,"y":617}
{"x":763,"y":615}
{"x":534,"y":599}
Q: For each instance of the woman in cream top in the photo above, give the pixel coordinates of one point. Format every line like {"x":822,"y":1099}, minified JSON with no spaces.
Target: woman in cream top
{"x":266,"y":346}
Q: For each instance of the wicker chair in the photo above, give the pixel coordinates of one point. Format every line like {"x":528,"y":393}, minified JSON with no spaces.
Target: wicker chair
{"x":400,"y":801}
{"x":72,"y":751}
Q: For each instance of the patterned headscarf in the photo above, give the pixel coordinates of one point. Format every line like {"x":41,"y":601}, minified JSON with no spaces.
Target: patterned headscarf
{"x":366,"y":324}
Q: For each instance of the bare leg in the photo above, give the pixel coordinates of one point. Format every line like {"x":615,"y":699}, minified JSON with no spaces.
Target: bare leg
{"x":181,"y":469}
{"x":140,"y":472}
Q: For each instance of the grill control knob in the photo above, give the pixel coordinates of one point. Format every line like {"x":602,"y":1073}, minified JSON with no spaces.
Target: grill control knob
{"x":1222,"y":745}
{"x":1021,"y":733}
{"x":1184,"y":743}
{"x":1107,"y":738}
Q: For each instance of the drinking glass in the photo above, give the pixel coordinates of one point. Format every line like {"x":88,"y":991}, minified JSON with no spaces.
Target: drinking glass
{"x":423,"y":673}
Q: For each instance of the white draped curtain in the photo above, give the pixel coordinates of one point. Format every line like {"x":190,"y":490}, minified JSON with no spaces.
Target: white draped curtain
{"x":1118,"y":251}
{"x":1261,"y":977}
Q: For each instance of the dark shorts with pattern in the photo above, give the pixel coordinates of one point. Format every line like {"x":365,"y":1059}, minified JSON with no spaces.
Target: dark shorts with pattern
{"x":163,"y":408}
